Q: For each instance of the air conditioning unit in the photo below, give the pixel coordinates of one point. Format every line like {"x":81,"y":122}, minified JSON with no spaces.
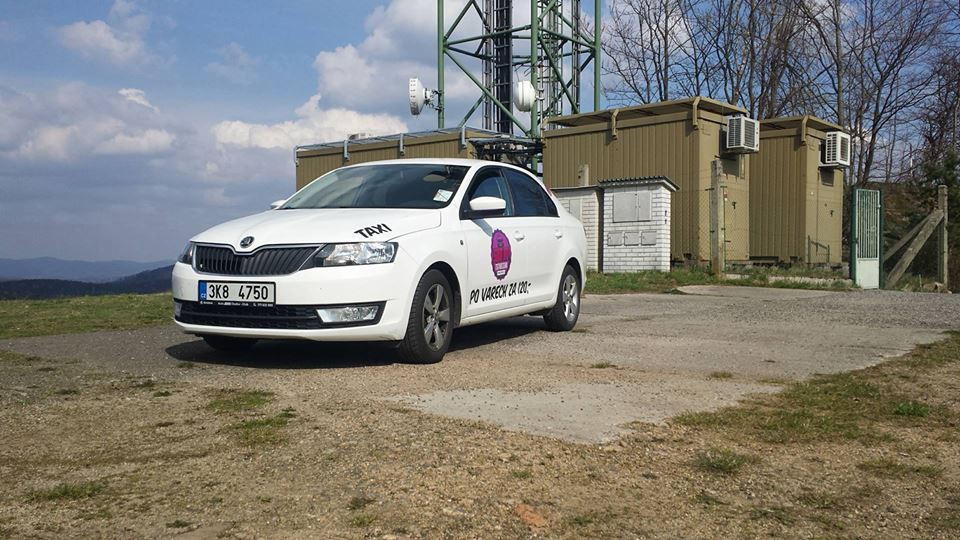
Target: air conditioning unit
{"x":359,"y":136}
{"x":743,"y":134}
{"x":836,"y":150}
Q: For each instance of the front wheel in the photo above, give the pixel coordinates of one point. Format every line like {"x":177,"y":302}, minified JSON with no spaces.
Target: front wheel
{"x":564,"y":314}
{"x":431,"y":323}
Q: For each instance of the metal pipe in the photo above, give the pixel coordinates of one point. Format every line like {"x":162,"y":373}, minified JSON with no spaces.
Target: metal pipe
{"x":441,"y":45}
{"x":596,"y":55}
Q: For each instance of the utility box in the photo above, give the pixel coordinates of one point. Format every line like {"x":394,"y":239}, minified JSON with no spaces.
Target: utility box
{"x":796,"y":192}
{"x":684,"y":140}
{"x":627,"y":222}
{"x":314,"y":161}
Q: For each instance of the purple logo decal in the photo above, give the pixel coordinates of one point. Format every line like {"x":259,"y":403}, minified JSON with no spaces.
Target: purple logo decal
{"x":500,"y":254}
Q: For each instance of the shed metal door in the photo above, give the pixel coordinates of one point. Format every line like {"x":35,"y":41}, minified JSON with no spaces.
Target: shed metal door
{"x":866,"y":238}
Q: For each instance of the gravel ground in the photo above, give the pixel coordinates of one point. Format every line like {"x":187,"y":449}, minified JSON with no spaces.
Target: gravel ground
{"x":517,"y":433}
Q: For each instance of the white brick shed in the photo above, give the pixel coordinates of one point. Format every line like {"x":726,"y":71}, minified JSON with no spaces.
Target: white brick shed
{"x":630,"y":230}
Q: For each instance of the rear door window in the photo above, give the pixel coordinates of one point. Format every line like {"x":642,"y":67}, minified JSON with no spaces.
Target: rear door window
{"x":528,"y":196}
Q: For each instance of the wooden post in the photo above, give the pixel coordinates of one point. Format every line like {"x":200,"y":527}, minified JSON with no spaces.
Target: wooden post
{"x":929,"y":225}
{"x":717,"y":233}
{"x":943,"y":247}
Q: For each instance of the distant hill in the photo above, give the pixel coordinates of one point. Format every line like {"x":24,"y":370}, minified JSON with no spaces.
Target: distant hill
{"x":151,"y":281}
{"x":53,"y":268}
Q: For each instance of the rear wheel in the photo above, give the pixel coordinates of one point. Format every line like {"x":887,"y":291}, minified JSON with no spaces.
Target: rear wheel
{"x":566,"y":311}
{"x":431,"y":321}
{"x":229,"y":344}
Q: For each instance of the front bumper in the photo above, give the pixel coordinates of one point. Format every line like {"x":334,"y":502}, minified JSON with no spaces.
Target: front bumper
{"x":298,"y":295}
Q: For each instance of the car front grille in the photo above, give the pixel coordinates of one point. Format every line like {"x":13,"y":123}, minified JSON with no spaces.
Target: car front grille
{"x":272,"y":317}
{"x":263,"y":262}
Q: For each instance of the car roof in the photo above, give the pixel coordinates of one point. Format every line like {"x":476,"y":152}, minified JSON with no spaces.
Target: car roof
{"x":441,"y":161}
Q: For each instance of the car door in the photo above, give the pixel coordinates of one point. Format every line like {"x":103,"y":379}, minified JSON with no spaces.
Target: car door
{"x":497,"y":264}
{"x":537,"y":217}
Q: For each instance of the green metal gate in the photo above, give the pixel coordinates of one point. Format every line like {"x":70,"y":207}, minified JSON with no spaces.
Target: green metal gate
{"x":866,"y":232}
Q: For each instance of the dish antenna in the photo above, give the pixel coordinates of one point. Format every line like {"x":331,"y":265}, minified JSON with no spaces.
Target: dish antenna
{"x":421,"y":96}
{"x":524,"y":95}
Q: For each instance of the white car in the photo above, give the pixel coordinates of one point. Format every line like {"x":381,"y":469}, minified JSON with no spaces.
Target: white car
{"x":401,"y":251}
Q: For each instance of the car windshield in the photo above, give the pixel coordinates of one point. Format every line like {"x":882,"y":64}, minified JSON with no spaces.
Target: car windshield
{"x":396,"y":185}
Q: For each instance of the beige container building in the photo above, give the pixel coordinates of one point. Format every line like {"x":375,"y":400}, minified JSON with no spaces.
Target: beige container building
{"x":316,"y":160}
{"x":681,"y":140}
{"x":796,"y":204}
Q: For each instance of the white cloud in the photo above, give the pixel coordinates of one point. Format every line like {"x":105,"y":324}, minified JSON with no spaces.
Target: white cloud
{"x":97,"y":39}
{"x":400,"y":43}
{"x":150,"y":141}
{"x":135,"y":95}
{"x":120,"y":41}
{"x":313,"y":125}
{"x":234,"y":64}
{"x":76,"y":120}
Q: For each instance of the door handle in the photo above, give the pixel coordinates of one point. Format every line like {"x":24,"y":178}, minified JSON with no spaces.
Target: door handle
{"x":558,"y":234}
{"x":519,"y":236}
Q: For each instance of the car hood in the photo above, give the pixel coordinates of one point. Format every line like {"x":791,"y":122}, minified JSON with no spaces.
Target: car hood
{"x":320,"y":226}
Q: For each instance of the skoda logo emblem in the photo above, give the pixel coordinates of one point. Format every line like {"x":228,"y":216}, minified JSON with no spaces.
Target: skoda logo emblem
{"x":246,"y":241}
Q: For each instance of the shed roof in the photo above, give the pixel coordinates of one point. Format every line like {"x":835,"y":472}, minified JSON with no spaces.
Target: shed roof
{"x":640,"y":181}
{"x":647,"y":109}
{"x":793,"y":122}
{"x":469,"y":132}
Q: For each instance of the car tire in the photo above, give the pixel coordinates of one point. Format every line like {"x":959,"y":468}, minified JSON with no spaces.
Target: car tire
{"x":229,"y":344}
{"x":565,"y":313}
{"x":431,"y":322}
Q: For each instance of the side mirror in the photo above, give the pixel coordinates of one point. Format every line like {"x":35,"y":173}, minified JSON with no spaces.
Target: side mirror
{"x":487,"y":206}
{"x":277,"y":204}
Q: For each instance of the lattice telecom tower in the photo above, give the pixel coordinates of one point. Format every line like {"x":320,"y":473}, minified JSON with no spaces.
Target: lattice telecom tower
{"x":556,"y":47}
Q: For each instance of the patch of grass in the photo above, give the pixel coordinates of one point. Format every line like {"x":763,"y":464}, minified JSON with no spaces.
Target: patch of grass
{"x":363,"y":520}
{"x":708,"y":499}
{"x":288,"y":412}
{"x":777,"y":513}
{"x":67,"y":392}
{"x":581,"y":520}
{"x":649,"y":282}
{"x":891,"y":468}
{"x":359,"y":502}
{"x":946,"y":519}
{"x":722,"y":461}
{"x":145,"y":383}
{"x":819,"y":500}
{"x":521,"y":474}
{"x":668,"y":282}
{"x":178,"y":524}
{"x":162,"y":393}
{"x":47,"y":369}
{"x":61,"y":492}
{"x":912,"y":408}
{"x":186,"y":365}
{"x":17,"y":359}
{"x":603,"y":365}
{"x":228,"y":401}
{"x":721,"y":375}
{"x":261,"y":431}
{"x":24,"y":318}
{"x":164,"y":424}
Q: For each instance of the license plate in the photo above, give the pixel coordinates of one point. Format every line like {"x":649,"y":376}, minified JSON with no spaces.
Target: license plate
{"x":237,"y":293}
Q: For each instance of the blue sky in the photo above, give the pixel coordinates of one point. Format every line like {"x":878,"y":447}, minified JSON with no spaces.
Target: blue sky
{"x":127,"y":126}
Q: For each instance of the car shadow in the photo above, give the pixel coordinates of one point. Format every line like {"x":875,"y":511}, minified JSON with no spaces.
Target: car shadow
{"x":297,"y":354}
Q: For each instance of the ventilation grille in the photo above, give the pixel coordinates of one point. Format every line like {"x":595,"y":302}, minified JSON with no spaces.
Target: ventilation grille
{"x":743,"y":134}
{"x":263,"y":262}
{"x":837,"y":149}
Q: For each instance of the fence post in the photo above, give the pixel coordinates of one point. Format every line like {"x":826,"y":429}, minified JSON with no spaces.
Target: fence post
{"x":943,"y":248}
{"x":717,"y":233}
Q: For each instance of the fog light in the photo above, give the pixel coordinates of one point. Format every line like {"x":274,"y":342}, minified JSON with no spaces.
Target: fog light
{"x":348,"y":314}
{"x":177,"y":307}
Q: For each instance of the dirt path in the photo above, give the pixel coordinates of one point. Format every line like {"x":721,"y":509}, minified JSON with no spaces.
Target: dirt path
{"x":521,"y":425}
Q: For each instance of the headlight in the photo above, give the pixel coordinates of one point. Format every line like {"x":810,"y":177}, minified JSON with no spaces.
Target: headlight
{"x":350,"y":254}
{"x":186,"y":256}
